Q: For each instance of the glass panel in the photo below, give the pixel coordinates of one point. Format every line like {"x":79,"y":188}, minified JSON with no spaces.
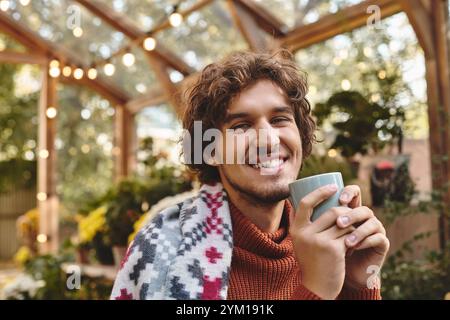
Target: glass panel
{"x":8,"y":43}
{"x":391,"y":53}
{"x":136,"y":79}
{"x":204,"y":36}
{"x":159,"y":122}
{"x":300,"y":12}
{"x":146,"y":13}
{"x":84,"y":145}
{"x":69,"y":24}
{"x":162,"y":124}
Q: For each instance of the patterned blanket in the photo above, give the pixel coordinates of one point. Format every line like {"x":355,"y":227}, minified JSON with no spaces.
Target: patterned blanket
{"x":184,"y":252}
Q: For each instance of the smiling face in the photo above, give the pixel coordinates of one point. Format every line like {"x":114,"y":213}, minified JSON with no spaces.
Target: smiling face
{"x":262,"y":108}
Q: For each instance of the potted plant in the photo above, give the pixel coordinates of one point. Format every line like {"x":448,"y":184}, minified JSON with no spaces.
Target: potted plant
{"x":123,"y":209}
{"x":91,"y":234}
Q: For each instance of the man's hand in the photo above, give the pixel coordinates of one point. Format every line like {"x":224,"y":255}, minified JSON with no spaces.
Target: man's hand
{"x":367,"y":244}
{"x":320,"y":246}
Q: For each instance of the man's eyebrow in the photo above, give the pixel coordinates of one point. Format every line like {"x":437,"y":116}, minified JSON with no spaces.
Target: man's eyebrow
{"x":232,"y":116}
{"x":242,"y":115}
{"x":283,"y":109}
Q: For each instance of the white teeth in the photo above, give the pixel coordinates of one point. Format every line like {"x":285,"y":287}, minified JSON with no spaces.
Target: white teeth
{"x":268,"y":164}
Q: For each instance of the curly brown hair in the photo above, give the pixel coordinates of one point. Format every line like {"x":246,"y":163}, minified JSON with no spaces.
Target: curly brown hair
{"x":207,"y":100}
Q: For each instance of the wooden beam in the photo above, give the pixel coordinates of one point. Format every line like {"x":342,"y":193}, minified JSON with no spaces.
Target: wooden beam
{"x":332,"y":25}
{"x":248,"y":26}
{"x":123,"y":24}
{"x":100,"y":87}
{"x":51,"y":50}
{"x":154,"y":96}
{"x":22,"y":57}
{"x":435,"y":122}
{"x":157,"y":95}
{"x":124,"y":143}
{"x":170,"y":90}
{"x":196,"y":7}
{"x":440,"y":25}
{"x":427,"y":5}
{"x":266,"y":20}
{"x":47,"y":197}
{"x":420,"y":20}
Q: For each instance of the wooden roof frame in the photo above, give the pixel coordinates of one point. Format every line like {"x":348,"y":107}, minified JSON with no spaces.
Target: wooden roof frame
{"x":42,"y":47}
{"x":331,"y":25}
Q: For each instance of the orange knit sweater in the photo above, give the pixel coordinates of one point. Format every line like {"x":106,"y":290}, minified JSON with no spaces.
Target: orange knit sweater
{"x":263,"y":265}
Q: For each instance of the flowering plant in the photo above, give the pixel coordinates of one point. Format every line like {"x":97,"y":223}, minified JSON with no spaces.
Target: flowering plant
{"x":91,"y":225}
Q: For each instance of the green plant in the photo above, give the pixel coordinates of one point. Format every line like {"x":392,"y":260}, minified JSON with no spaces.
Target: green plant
{"x":47,"y":268}
{"x":361,"y":125}
{"x":425,"y":278}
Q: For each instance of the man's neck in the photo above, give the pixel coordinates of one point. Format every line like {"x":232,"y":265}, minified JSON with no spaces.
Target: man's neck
{"x":267,"y":217}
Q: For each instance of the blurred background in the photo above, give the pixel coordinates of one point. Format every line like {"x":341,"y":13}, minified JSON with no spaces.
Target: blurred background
{"x":90,"y":99}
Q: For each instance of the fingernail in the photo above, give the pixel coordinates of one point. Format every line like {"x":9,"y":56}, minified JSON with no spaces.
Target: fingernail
{"x":344,"y":220}
{"x":351,"y":238}
{"x":344,"y":197}
{"x":332,"y":187}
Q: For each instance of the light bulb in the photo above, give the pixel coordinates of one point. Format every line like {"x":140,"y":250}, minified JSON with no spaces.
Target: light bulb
{"x":128,"y":59}
{"x":92,"y":73}
{"x":54,"y":72}
{"x":51,"y":112}
{"x":43,"y":154}
{"x":175,"y":19}
{"x":42,"y":238}
{"x":54,"y":63}
{"x":4,"y":5}
{"x":41,"y":196}
{"x":77,"y":32}
{"x":109,"y":69}
{"x":67,"y":71}
{"x":149,"y":44}
{"x":78,"y":73}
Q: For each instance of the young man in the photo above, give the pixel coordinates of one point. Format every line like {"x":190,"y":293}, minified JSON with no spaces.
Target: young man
{"x":240,"y":237}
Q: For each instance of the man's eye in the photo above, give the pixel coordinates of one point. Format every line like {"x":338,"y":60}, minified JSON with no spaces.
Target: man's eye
{"x":278,"y":120}
{"x":242,"y":126}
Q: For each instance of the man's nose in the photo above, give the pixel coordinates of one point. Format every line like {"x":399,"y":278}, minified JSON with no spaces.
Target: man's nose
{"x":268,"y":139}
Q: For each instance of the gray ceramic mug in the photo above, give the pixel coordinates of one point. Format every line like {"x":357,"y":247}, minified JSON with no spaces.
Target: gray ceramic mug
{"x":300,"y":188}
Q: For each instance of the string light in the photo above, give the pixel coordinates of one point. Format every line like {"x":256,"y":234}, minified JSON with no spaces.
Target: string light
{"x":382,"y":74}
{"x":54,"y":63}
{"x":92,"y":73}
{"x":67,"y":71}
{"x":332,"y":153}
{"x":346,"y":85}
{"x":78,"y":73}
{"x":43,"y":154}
{"x":109,"y":69}
{"x":42,"y":238}
{"x":77,"y":32}
{"x":51,"y":112}
{"x":54,"y":72}
{"x":41,"y":196}
{"x":128,"y":59}
{"x":4,"y":5}
{"x":149,"y":44}
{"x":175,"y":19}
